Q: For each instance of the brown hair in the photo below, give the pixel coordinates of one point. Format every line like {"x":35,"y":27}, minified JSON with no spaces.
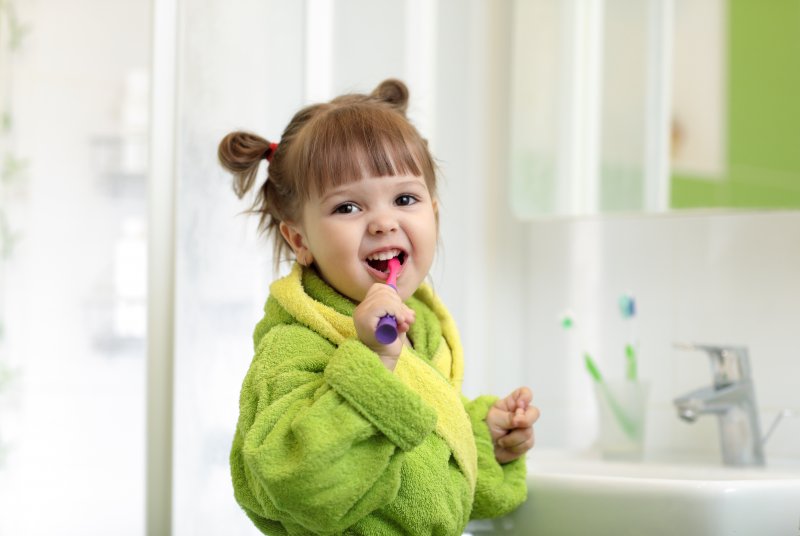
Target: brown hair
{"x":326,"y":145}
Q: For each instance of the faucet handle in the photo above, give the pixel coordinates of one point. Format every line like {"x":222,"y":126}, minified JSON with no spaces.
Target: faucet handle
{"x":729,"y":364}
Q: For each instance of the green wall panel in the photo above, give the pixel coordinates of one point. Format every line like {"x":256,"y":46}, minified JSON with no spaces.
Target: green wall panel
{"x":763,"y":152}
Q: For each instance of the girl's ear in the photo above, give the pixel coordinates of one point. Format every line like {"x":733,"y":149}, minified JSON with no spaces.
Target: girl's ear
{"x":294,"y":236}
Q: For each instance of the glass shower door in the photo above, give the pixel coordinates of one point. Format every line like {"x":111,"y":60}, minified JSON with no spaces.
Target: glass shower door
{"x":73,"y":167}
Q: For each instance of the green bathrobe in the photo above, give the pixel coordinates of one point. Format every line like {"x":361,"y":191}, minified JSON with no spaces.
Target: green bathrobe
{"x":329,"y":441}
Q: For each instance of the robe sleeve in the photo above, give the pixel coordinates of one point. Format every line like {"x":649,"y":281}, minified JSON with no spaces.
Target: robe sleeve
{"x":500,"y":487}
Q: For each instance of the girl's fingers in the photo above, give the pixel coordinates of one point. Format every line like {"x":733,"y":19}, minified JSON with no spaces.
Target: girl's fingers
{"x":519,"y":398}
{"x":532,"y":414}
{"x":517,"y":442}
{"x":507,"y":414}
{"x":515,"y":416}
{"x":500,"y":422}
{"x":382,"y":300}
{"x":515,"y":437}
{"x":406,"y":319}
{"x":523,"y":397}
{"x":525,"y":419}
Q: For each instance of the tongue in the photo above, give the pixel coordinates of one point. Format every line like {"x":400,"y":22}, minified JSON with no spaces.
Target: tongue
{"x":381,"y":266}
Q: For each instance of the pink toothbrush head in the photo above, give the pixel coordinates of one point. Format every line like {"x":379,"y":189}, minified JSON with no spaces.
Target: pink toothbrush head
{"x":394,"y":270}
{"x":386,"y":332}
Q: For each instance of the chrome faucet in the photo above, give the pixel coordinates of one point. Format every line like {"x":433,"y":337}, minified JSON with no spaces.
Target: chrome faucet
{"x":732,"y":399}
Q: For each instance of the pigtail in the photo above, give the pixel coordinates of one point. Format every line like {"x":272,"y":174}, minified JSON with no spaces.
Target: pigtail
{"x":393,"y":92}
{"x":241,"y":153}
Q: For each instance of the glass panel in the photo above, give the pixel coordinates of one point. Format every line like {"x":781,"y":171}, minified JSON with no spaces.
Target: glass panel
{"x":623,"y":128}
{"x":222,"y":268}
{"x":539,"y":54}
{"x":73,"y":164}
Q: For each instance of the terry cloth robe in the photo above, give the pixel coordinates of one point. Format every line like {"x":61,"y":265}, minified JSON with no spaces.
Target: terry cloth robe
{"x":331,"y":442}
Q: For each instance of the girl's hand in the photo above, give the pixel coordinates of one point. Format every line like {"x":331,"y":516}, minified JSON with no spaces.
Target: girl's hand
{"x":381,"y":299}
{"x":510,"y":422}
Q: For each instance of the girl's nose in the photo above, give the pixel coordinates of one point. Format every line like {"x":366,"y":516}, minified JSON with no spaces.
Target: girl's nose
{"x":382,"y":224}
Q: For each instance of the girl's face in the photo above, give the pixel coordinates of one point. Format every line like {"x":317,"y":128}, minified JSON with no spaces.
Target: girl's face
{"x":351,"y":231}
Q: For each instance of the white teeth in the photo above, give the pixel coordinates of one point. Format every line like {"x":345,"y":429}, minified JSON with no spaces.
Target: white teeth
{"x":384,"y":255}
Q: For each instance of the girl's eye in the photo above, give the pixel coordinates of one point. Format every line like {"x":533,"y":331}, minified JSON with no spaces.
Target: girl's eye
{"x":346,"y":208}
{"x":405,"y":200}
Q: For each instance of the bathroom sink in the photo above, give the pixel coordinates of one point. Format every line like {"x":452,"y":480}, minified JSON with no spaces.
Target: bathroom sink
{"x":576,"y":495}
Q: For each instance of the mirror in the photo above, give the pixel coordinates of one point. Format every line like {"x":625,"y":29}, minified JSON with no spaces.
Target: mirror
{"x":622,"y":106}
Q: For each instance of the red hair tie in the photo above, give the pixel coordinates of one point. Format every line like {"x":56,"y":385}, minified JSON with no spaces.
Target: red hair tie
{"x":272,"y":148}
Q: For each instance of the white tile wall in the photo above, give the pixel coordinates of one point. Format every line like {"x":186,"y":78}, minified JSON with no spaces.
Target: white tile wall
{"x":716,"y":278}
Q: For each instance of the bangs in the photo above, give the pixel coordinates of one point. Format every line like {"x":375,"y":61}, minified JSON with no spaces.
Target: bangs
{"x":350,"y":143}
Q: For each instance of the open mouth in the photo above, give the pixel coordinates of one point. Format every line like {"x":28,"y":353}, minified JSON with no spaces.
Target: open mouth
{"x":380,"y":261}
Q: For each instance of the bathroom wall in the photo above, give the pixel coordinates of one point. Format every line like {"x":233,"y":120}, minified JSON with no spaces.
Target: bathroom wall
{"x":700,"y":276}
{"x":719,"y":278}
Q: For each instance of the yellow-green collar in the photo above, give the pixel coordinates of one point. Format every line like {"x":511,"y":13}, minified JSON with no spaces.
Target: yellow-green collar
{"x":312,"y":302}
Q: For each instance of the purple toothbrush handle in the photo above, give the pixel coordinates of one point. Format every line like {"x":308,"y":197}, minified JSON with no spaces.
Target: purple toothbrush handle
{"x":386,"y":332}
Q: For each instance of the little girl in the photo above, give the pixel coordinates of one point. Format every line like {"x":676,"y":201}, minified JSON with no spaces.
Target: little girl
{"x":338,"y":433}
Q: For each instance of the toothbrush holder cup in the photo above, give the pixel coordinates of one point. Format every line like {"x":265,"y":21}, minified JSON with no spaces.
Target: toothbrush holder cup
{"x":622,"y":415}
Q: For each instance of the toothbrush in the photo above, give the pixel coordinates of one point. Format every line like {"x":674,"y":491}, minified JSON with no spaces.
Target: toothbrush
{"x":386,"y":332}
{"x":630,"y":356}
{"x":622,"y":418}
{"x":627,"y":307}
{"x":591,"y":367}
{"x":629,"y":427}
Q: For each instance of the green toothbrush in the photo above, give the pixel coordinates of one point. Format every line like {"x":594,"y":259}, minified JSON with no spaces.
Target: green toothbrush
{"x":594,"y":372}
{"x":567,"y":322}
{"x":627,"y":426}
{"x":630,"y":357}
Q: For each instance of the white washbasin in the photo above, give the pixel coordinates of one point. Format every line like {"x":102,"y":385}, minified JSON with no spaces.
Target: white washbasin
{"x":580,"y":495}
